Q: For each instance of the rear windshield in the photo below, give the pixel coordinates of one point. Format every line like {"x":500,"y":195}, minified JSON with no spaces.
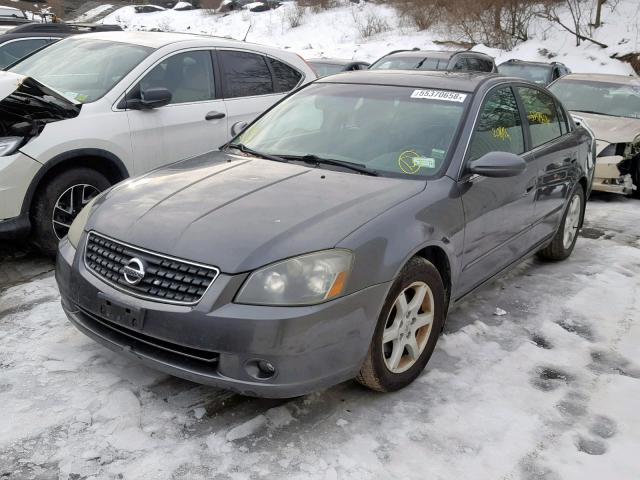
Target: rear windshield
{"x":397,"y":131}
{"x":324,"y":69}
{"x":82,"y":70}
{"x":539,"y":74}
{"x":410,"y":63}
{"x":599,"y":97}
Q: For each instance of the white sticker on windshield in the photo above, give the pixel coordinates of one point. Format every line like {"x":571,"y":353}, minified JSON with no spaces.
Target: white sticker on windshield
{"x":425,"y":162}
{"x":446,"y":95}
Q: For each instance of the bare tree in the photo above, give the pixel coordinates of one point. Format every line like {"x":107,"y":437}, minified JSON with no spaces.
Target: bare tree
{"x":580,"y":12}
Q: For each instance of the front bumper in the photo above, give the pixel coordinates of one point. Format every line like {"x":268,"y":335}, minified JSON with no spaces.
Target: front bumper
{"x":218,"y":342}
{"x":608,"y":178}
{"x":16,"y":173}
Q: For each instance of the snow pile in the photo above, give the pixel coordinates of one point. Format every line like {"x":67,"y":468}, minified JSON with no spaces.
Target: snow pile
{"x":338,"y":32}
{"x":548,"y":391}
{"x":93,"y":13}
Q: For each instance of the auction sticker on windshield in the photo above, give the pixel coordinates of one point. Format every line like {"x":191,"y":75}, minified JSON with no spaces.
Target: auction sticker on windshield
{"x":446,"y":95}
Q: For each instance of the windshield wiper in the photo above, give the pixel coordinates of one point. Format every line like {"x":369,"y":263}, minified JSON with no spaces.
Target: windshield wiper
{"x":244,"y":149}
{"x":316,"y":160}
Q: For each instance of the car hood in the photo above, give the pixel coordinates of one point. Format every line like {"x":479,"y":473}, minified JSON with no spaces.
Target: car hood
{"x":240,"y":213}
{"x":612,"y":129}
{"x":27,"y":105}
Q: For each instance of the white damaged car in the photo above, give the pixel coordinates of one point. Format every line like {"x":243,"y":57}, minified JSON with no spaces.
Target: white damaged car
{"x":92,"y":110}
{"x":610,"y":105}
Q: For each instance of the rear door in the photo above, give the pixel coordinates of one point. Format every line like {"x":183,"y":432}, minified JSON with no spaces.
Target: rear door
{"x":498,"y":211}
{"x":252,"y":82}
{"x":195,"y":122}
{"x":556,"y":155}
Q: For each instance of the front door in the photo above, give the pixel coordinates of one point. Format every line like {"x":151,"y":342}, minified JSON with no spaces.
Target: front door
{"x":498,"y":211}
{"x":193,"y":123}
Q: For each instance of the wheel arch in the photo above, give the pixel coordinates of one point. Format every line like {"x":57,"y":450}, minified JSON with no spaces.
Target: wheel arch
{"x":584,"y":183}
{"x":439,"y":258}
{"x":102,"y":161}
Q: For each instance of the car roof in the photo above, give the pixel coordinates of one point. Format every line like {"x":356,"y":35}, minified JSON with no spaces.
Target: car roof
{"x":527,"y":62}
{"x":158,"y":40}
{"x":458,"y":81}
{"x":444,"y":54}
{"x":603,"y":77}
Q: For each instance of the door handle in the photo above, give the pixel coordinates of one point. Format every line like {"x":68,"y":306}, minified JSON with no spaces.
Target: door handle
{"x":215,"y":115}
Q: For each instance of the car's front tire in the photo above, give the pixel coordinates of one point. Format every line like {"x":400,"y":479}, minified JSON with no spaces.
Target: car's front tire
{"x":635,"y":177}
{"x":59,"y":201}
{"x":407,"y":330}
{"x":565,"y":238}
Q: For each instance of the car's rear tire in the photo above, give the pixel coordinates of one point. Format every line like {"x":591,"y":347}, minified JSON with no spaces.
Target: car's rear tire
{"x":59,"y":201}
{"x":565,"y":238}
{"x":407,"y":331}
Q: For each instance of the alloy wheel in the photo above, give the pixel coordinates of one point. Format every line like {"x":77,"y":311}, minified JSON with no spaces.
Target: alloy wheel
{"x":69,"y":205}
{"x":572,"y":222}
{"x":408,"y":327}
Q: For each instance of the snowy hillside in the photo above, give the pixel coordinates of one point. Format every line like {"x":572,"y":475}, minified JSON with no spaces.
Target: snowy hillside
{"x":342,"y":32}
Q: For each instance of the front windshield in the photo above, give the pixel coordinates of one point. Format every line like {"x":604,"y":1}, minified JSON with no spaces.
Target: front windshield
{"x":393,"y":130}
{"x":82,"y":70}
{"x":539,"y":74}
{"x":605,"y":98}
{"x":410,"y":63}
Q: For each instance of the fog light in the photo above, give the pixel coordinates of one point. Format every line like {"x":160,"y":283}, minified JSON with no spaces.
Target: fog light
{"x":260,"y":369}
{"x":266,"y":367}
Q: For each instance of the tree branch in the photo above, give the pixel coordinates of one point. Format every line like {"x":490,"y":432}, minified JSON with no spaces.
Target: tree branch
{"x":555,"y":18}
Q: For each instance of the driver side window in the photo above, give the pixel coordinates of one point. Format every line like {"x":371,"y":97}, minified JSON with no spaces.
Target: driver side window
{"x":499,"y":126}
{"x":188,"y":76}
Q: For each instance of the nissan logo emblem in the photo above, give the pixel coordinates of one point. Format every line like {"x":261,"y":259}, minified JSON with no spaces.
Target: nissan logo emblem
{"x":134,"y":271}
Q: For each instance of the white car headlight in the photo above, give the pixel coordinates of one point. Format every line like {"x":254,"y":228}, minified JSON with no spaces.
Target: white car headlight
{"x":78,"y":224}
{"x":9,"y":145}
{"x":304,"y":280}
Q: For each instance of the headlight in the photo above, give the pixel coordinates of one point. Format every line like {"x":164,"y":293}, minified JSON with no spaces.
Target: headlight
{"x":77,"y":226}
{"x":9,"y":145}
{"x":304,"y":280}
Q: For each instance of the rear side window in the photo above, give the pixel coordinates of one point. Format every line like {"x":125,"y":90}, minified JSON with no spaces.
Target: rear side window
{"x":486,"y":65}
{"x":188,"y":76}
{"x":285,"y":78}
{"x":499,"y":128}
{"x":461,"y":64}
{"x":474,"y":64}
{"x":245,"y":74}
{"x":542,"y":115}
{"x":11,"y":52}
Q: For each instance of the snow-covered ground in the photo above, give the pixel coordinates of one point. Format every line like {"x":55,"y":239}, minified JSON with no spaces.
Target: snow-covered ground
{"x":338,"y":33}
{"x":548,"y":390}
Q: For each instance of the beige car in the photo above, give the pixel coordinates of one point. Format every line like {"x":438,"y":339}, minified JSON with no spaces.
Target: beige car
{"x":610,"y":105}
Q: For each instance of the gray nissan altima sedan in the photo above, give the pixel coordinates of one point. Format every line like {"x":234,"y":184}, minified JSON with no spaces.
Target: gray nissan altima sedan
{"x":329,"y":238}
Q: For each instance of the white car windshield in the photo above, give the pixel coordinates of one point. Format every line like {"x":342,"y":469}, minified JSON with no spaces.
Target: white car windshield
{"x":393,"y":130}
{"x":603,"y":98}
{"x":82,"y":70}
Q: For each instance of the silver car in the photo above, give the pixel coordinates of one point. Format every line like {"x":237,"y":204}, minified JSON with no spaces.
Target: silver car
{"x":610,"y":105}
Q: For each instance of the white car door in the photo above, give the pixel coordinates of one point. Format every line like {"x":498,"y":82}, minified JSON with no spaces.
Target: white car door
{"x":194,"y":122}
{"x":252,"y":82}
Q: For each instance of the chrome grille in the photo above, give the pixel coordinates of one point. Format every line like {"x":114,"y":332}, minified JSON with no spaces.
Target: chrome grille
{"x":166,"y":279}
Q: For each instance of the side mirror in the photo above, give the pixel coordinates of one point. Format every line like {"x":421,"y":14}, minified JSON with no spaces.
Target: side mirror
{"x":497,"y":165}
{"x":238,"y":127}
{"x":150,"y":98}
